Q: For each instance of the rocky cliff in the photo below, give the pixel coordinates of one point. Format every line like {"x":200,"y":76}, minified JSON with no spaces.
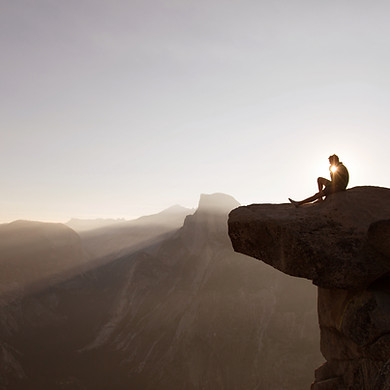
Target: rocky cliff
{"x":343,"y":246}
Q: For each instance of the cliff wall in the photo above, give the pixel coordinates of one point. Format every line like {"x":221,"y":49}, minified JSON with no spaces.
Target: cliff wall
{"x":343,"y":246}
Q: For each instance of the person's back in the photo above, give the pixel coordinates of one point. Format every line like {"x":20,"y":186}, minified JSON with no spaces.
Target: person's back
{"x":340,"y":176}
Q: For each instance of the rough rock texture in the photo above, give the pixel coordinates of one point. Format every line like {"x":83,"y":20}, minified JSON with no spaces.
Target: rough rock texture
{"x":343,"y":245}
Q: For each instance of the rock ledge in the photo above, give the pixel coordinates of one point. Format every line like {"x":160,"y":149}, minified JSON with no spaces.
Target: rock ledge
{"x":343,"y":246}
{"x":326,"y":242}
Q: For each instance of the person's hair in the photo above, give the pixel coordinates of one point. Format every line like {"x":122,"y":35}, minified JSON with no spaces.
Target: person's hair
{"x":334,"y":158}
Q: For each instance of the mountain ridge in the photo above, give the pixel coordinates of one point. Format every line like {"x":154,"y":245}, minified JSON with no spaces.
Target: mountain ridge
{"x":186,"y":313}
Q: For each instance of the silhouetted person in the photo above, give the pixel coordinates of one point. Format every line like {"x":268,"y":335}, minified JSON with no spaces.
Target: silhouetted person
{"x":339,"y":180}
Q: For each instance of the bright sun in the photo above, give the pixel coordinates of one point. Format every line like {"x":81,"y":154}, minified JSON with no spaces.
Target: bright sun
{"x":333,"y":168}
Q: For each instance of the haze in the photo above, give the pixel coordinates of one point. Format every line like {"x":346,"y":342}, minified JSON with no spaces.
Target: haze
{"x":124,"y":108}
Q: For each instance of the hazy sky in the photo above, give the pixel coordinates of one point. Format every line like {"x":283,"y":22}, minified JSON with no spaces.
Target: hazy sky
{"x":122,"y":108}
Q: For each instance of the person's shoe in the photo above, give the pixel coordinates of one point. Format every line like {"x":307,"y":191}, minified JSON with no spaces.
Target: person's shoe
{"x":294,"y":202}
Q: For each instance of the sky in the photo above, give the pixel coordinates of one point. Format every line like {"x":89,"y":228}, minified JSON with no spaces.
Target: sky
{"x":122,"y":108}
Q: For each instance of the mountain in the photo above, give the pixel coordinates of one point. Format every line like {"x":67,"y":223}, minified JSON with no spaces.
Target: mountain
{"x":81,"y":225}
{"x":127,"y":236}
{"x":184,"y":313}
{"x":31,"y":253}
{"x":193,"y":314}
{"x":342,"y":245}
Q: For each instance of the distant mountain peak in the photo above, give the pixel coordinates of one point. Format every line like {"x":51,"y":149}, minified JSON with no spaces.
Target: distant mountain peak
{"x":22,"y":224}
{"x":81,"y":225}
{"x":217,"y":202}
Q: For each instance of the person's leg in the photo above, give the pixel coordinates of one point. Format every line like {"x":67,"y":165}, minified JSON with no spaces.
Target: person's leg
{"x":316,"y":196}
{"x":322,"y":183}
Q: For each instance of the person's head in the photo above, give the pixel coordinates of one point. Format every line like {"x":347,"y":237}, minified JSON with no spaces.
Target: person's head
{"x":333,"y":159}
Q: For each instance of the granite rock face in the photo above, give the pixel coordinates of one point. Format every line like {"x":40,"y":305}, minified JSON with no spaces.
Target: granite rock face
{"x":343,"y":246}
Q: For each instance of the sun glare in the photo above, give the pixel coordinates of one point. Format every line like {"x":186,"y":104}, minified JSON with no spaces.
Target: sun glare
{"x":333,"y":168}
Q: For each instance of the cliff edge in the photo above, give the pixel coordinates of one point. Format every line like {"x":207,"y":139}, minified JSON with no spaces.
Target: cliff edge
{"x":343,"y":246}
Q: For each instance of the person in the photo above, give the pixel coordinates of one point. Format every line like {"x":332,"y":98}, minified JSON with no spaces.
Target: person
{"x":339,"y":180}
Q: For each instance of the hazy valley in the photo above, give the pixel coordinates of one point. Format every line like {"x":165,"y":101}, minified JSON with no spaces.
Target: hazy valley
{"x":162,"y":302}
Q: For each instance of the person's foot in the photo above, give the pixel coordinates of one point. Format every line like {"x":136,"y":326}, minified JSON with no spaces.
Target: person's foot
{"x":294,"y":202}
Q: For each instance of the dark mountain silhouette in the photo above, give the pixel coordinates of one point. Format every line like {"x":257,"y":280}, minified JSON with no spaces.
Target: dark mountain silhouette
{"x":185,"y":313}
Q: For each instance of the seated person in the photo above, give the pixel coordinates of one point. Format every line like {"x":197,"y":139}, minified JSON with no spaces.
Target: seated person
{"x":339,"y":180}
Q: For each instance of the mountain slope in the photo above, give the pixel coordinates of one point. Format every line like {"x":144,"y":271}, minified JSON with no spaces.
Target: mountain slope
{"x":188,"y":313}
{"x":124,"y":237}
{"x":33,"y":252}
{"x":195,"y":315}
{"x":82,"y":225}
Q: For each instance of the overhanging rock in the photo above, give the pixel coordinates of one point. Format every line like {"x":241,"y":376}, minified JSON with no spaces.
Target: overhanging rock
{"x":326,"y":242}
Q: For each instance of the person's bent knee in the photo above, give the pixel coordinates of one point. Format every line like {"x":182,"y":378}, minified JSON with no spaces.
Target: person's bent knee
{"x":323,"y":181}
